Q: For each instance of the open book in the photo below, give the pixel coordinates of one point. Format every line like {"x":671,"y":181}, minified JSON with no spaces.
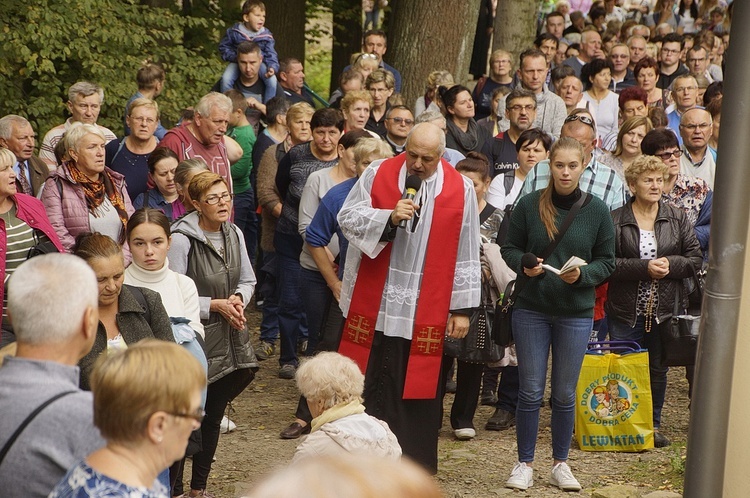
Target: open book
{"x":571,"y":264}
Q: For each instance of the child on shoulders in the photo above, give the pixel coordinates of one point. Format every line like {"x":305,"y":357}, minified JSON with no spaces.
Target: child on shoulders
{"x":251,"y":29}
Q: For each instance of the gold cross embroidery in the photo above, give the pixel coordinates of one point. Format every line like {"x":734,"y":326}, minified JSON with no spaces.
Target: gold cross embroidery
{"x":359,"y":332}
{"x":428,"y":340}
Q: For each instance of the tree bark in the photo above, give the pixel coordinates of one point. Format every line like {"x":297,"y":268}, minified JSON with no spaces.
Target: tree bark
{"x":286,"y":20}
{"x":515,"y":27}
{"x":347,"y":35}
{"x":428,"y":35}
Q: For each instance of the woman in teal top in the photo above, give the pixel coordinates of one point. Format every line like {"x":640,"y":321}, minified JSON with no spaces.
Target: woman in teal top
{"x":554,"y":310}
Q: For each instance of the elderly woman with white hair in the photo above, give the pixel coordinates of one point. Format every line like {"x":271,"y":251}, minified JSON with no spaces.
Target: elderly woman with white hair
{"x":83,"y":195}
{"x":333,"y":386}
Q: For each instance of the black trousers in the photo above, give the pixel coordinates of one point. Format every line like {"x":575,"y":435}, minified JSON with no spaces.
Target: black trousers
{"x":468,"y":383}
{"x":220,"y":393}
{"x":415,"y":422}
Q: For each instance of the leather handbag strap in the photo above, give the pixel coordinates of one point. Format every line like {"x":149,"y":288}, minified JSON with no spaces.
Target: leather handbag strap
{"x":553,"y":245}
{"x":677,"y":309}
{"x":28,"y":420}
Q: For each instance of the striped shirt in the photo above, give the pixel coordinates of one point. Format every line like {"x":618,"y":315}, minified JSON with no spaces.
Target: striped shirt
{"x":597,"y":179}
{"x":47,"y":150}
{"x":19,"y":239}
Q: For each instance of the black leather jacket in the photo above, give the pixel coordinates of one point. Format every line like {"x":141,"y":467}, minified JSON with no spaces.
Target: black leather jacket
{"x":675,"y":240}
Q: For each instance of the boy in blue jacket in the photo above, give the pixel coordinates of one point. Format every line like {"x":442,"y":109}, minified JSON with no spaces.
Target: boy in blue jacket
{"x":251,"y":29}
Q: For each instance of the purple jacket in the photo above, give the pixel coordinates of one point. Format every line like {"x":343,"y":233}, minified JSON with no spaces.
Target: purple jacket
{"x":69,"y":214}
{"x":31,"y":211}
{"x":238,"y":33}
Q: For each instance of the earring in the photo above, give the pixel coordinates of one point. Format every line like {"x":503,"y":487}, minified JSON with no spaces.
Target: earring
{"x":159,"y":439}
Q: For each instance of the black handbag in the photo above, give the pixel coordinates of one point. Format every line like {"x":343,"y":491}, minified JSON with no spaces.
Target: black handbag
{"x":502,"y":331}
{"x":40,"y":246}
{"x":477,"y":346}
{"x":679,"y":335}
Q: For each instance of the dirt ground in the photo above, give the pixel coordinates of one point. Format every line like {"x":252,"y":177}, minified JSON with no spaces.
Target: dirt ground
{"x":476,"y":468}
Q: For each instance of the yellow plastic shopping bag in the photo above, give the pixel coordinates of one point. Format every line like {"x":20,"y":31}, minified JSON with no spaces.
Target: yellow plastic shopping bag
{"x":613,"y":399}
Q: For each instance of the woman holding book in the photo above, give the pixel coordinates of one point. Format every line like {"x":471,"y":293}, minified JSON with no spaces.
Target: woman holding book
{"x":551,"y":226}
{"x":656,"y":249}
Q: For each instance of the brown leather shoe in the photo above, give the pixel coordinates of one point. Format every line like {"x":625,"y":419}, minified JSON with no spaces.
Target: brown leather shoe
{"x":295,"y":430}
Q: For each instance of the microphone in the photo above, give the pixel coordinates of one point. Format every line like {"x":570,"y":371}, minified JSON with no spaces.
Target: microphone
{"x":411,"y":187}
{"x":529,"y":260}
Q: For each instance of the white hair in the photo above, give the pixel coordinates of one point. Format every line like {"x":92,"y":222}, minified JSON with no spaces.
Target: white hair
{"x":331,"y":378}
{"x":7,"y":123}
{"x":77,"y":131}
{"x":48,"y":296}
{"x":211,"y":100}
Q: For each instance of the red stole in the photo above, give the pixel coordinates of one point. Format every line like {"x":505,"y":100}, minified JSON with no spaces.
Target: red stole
{"x":430,"y":320}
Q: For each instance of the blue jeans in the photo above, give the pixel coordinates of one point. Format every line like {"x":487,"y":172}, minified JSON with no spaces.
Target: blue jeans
{"x":291,"y":313}
{"x":232,"y":72}
{"x":534,"y":333}
{"x":269,"y":324}
{"x":316,"y":298}
{"x":245,"y":219}
{"x":620,"y":331}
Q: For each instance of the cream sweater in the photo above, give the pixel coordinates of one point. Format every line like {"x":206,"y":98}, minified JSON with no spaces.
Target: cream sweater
{"x":178,"y":292}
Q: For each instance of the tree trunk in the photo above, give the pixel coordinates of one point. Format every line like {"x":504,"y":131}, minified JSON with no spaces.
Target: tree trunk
{"x":515,"y":27}
{"x":286,"y":20}
{"x":347,"y":36}
{"x":428,"y":35}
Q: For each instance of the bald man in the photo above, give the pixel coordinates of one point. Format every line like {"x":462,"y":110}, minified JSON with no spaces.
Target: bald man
{"x":417,"y":283}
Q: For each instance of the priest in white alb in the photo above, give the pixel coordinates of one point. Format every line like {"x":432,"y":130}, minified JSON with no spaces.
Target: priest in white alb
{"x":406,"y":288}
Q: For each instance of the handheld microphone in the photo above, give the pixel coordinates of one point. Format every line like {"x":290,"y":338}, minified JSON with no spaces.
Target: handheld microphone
{"x":411,"y":187}
{"x":529,"y":260}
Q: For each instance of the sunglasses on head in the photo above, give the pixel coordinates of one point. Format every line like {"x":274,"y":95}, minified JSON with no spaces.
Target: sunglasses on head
{"x":580,"y":117}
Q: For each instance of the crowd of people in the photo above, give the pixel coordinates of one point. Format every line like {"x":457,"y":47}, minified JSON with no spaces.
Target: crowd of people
{"x":369,"y":232}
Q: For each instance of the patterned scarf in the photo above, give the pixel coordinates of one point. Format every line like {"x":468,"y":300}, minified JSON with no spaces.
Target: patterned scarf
{"x":95,"y":190}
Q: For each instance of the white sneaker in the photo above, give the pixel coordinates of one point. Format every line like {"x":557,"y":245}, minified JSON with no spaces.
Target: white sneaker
{"x":227,"y":425}
{"x":521,"y":478}
{"x":465,"y":434}
{"x":562,"y":477}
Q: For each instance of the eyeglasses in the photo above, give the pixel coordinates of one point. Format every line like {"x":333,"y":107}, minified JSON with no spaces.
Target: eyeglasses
{"x":693,"y":127}
{"x":684,"y":89}
{"x":406,"y":121}
{"x":582,"y":118}
{"x":518,"y":107}
{"x":198,"y":416}
{"x":671,"y":51}
{"x":142,"y":119}
{"x":668,"y":153}
{"x":212,"y":200}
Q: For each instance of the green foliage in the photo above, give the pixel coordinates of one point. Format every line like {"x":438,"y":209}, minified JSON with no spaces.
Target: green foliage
{"x":318,"y":70}
{"x":47,"y":45}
